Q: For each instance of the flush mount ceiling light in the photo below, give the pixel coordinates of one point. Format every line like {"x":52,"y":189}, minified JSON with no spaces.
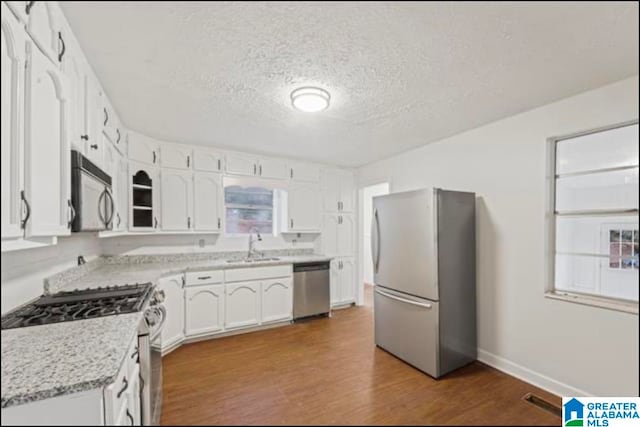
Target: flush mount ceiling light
{"x":310,"y":99}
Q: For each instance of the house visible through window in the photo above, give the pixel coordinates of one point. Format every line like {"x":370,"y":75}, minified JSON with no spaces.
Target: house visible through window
{"x":623,"y":249}
{"x":593,"y":217}
{"x":249,"y":209}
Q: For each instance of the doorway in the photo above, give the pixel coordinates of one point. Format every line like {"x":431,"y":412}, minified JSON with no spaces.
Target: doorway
{"x":368,"y":193}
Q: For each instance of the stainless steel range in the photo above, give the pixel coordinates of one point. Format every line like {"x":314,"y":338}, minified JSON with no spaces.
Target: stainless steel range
{"x":108,"y":301}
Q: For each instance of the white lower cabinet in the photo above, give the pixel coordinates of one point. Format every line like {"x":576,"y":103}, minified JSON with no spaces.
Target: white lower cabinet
{"x":277,"y":300}
{"x":173,"y":330}
{"x":342,"y":273}
{"x":242,"y":305}
{"x":204,"y":307}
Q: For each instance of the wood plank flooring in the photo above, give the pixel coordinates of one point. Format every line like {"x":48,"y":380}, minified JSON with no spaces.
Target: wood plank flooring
{"x":328,"y":371}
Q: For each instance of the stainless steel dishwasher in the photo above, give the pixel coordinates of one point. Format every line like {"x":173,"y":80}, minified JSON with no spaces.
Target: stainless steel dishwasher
{"x":311,"y":289}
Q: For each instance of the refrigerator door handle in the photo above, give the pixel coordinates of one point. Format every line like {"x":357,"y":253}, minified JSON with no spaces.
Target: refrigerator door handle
{"x":376,"y":258}
{"x":408,"y":301}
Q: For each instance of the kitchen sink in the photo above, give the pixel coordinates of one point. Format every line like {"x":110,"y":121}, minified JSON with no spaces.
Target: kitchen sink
{"x":253,"y":259}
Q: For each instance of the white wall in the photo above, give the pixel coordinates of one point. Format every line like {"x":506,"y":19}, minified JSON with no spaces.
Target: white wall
{"x":368,"y":193}
{"x":23,"y":272}
{"x":565,"y":347}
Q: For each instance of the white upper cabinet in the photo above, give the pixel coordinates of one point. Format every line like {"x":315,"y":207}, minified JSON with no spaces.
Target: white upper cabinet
{"x":304,"y":207}
{"x":242,"y":305}
{"x":176,"y":156}
{"x":208,"y":201}
{"x":342,"y":276}
{"x":241,"y":164}
{"x":74,"y":69}
{"x":173,"y":330}
{"x":338,"y":235}
{"x":204,"y":309}
{"x":93,"y":137}
{"x":143,"y":149}
{"x":13,"y":51}
{"x":43,"y":24}
{"x":207,"y":160}
{"x":272,"y":168}
{"x":47,"y":158}
{"x":338,"y":187}
{"x":246,"y":164}
{"x":177,"y":200}
{"x":304,"y":172}
{"x":277,"y":300}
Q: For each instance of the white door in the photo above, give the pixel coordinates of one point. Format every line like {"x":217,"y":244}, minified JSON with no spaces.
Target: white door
{"x":176,"y":156}
{"x":93,"y":137}
{"x":331,"y":190}
{"x":177,"y":199}
{"x":304,"y":207}
{"x":207,"y":212}
{"x":122,"y":195}
{"x":304,"y":172}
{"x":277,"y":300}
{"x":242,"y":305}
{"x":173,"y":330}
{"x":239,"y":164}
{"x":347,"y":280}
{"x":330,"y":235}
{"x":335,"y":278}
{"x":13,"y":45}
{"x":44,"y":28}
{"x":346,"y":235}
{"x":143,"y":149}
{"x":73,"y":67}
{"x":347,"y":193}
{"x":47,"y":158}
{"x":204,"y":309}
{"x":206,"y":160}
{"x":272,"y":168}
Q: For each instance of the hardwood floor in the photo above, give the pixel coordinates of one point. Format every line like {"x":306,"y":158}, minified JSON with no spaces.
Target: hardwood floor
{"x":328,"y":371}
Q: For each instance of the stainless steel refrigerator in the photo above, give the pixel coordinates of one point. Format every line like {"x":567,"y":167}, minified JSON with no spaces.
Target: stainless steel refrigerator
{"x":423,"y":248}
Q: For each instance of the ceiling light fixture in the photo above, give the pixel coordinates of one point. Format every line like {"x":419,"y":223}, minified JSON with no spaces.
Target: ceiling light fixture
{"x":310,"y":99}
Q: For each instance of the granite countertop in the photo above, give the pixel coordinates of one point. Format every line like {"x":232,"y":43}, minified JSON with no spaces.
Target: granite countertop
{"x":40,"y":362}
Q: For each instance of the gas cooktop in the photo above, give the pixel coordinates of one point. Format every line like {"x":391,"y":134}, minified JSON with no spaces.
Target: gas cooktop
{"x":79,"y":304}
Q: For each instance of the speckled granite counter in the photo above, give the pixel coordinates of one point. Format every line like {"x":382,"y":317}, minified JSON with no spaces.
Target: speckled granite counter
{"x":40,"y":362}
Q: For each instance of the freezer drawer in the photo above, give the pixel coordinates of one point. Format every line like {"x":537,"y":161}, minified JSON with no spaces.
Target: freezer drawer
{"x":407,"y":327}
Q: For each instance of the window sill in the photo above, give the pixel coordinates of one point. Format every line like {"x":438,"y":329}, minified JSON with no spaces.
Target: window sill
{"x":608,"y":303}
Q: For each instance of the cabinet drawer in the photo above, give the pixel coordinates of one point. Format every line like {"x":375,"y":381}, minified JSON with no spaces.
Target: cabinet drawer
{"x":257,"y":273}
{"x":196,"y":278}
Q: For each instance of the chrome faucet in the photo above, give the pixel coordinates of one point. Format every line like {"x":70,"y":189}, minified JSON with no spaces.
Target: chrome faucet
{"x":252,"y":251}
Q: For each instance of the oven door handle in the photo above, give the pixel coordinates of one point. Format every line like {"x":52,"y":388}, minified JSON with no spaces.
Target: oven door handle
{"x":158,"y":328}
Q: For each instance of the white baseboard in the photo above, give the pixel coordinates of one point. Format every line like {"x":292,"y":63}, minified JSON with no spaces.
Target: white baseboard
{"x":525,"y":374}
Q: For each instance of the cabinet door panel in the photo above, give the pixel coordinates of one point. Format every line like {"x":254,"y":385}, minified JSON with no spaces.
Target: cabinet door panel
{"x":347,"y":186}
{"x":331,"y":190}
{"x":176,"y":194}
{"x":46,"y":148}
{"x":277,"y":300}
{"x":93,"y":137}
{"x":335,"y":278}
{"x":143,"y":149}
{"x":346,"y":235}
{"x":272,"y":168}
{"x":73,"y":67}
{"x":204,"y":309}
{"x":304,"y":207}
{"x":347,"y":281}
{"x":176,"y":156}
{"x":304,"y":172}
{"x":207,"y":201}
{"x":43,"y":27}
{"x":13,"y":43}
{"x":239,"y":164}
{"x":173,"y":330}
{"x":330,"y":235}
{"x":207,"y":160}
{"x":242,"y":302}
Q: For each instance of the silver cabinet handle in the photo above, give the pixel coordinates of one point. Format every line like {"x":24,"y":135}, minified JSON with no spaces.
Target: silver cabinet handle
{"x":72,"y":214}
{"x":155,"y":222}
{"x":291,"y":172}
{"x":106,"y":116}
{"x":407,"y":301}
{"x":63,"y":47}
{"x":188,"y":160}
{"x":119,"y":136}
{"x":219,"y":164}
{"x":119,"y":219}
{"x":29,"y":6}
{"x":188,"y":222}
{"x":255,"y":168}
{"x":27,"y":207}
{"x":376,"y":259}
{"x":338,"y":205}
{"x":204,"y":277}
{"x":291,"y":222}
{"x":154,"y":156}
{"x":260,"y":170}
{"x":218,"y":223}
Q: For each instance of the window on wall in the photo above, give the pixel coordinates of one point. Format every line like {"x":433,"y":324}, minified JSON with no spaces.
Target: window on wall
{"x":250,"y":206}
{"x":593,"y":217}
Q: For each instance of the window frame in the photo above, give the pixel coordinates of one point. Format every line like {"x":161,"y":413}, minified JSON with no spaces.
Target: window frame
{"x":550,"y":290}
{"x":253,"y":182}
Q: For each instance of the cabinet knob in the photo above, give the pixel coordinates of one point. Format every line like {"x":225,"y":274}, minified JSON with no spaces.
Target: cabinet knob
{"x":94,"y":146}
{"x":84,"y":137}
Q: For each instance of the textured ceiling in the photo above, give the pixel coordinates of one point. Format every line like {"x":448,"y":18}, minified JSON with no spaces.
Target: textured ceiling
{"x":400,"y":74}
